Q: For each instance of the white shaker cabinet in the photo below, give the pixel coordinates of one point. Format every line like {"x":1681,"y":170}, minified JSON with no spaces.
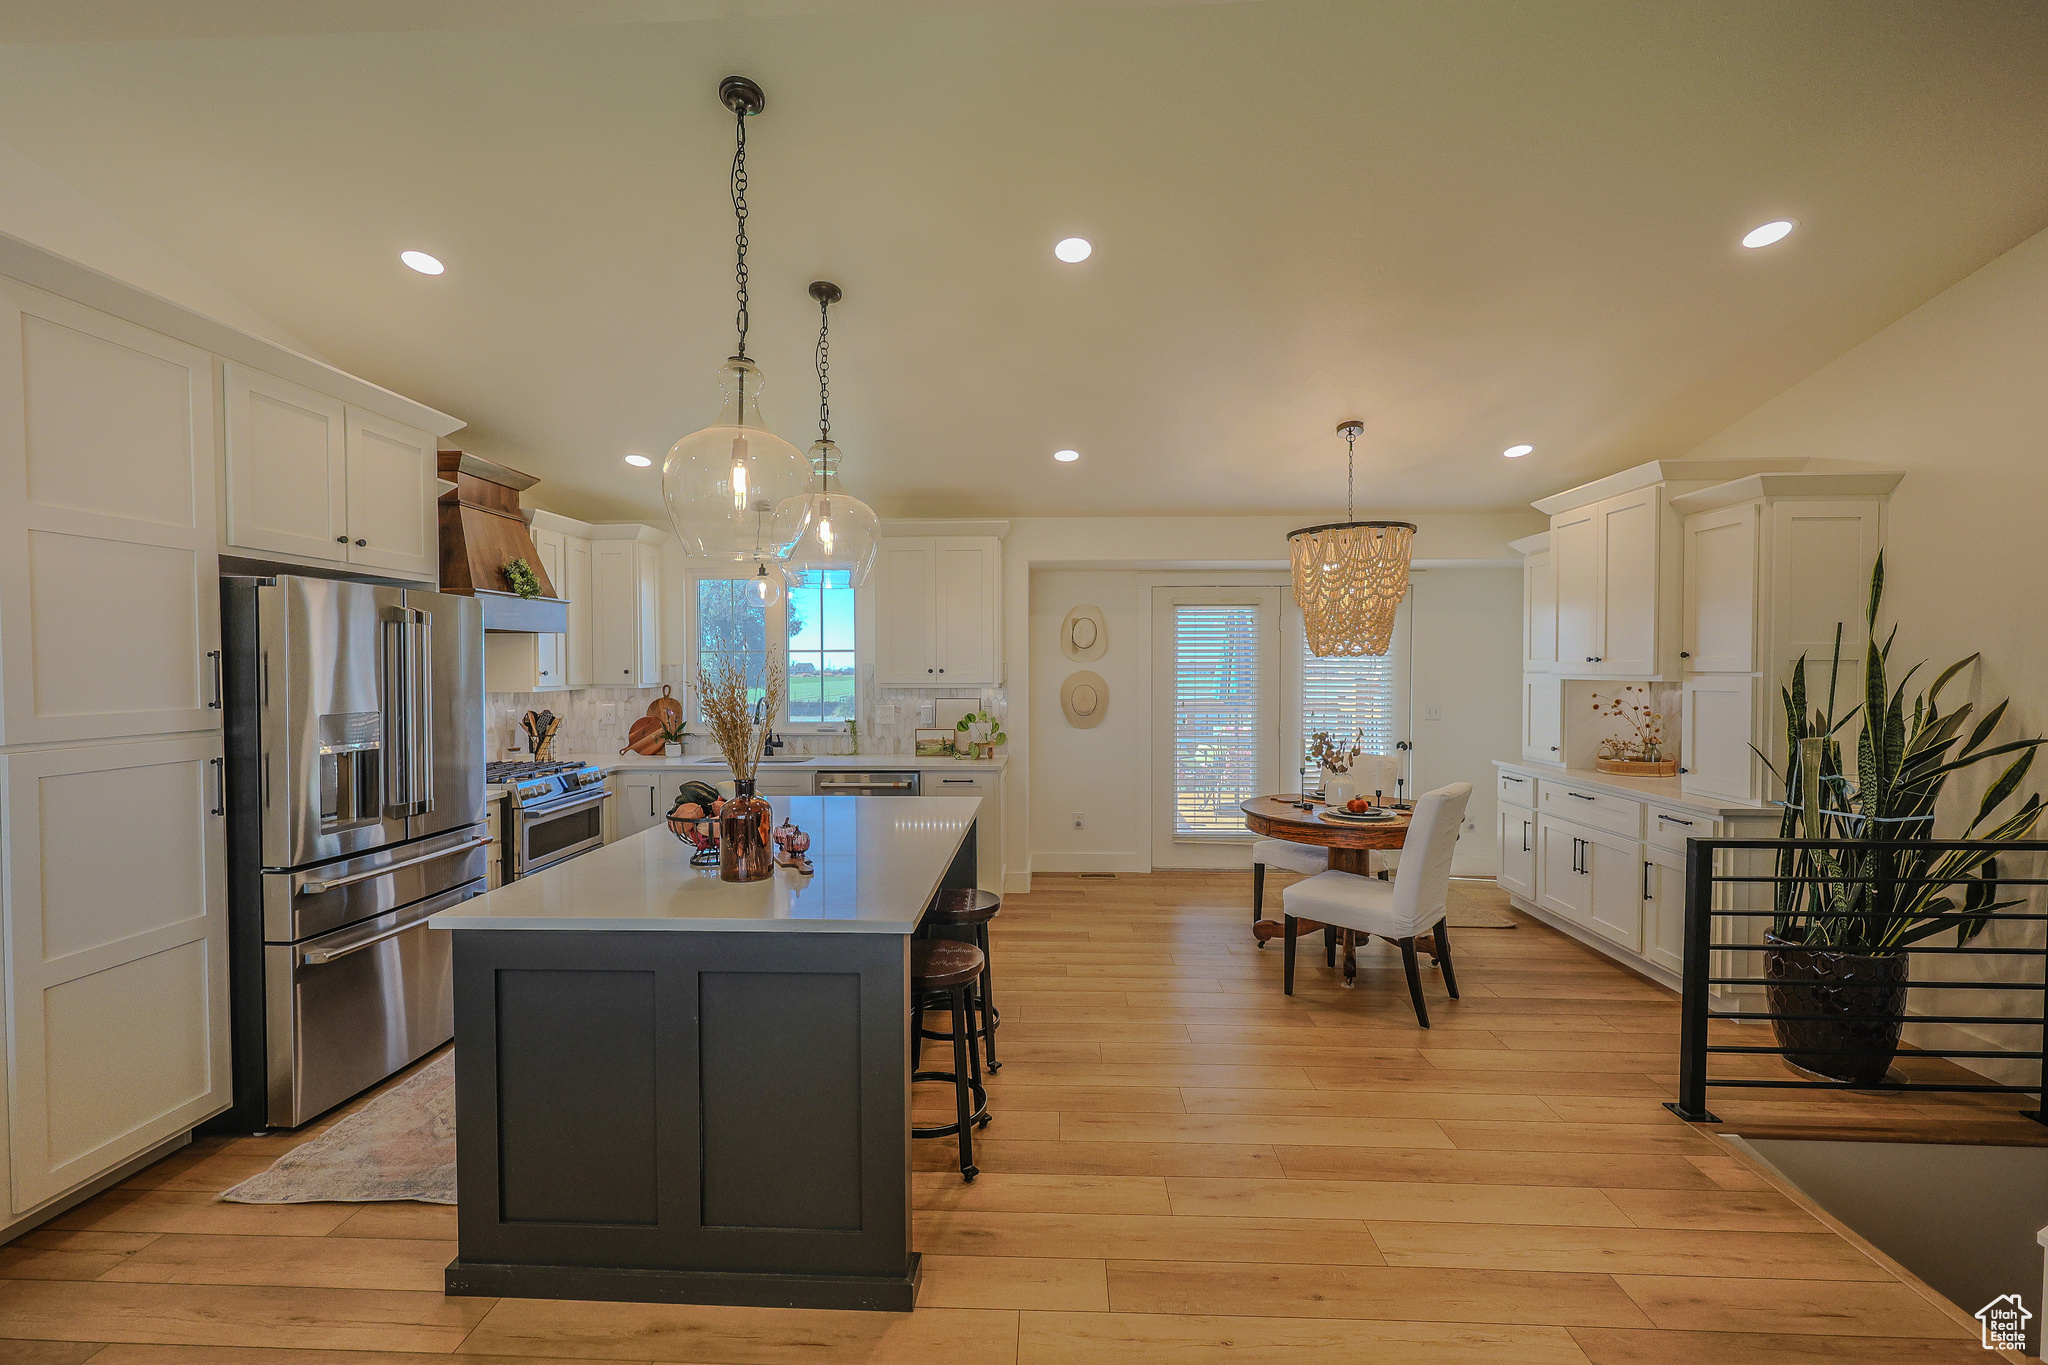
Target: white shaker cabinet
{"x":109,"y":570}
{"x":625,"y":606}
{"x":392,"y":487}
{"x":116,"y":949}
{"x":938,"y":612}
{"x":1720,"y":590}
{"x":1539,"y":607}
{"x":312,"y":478}
{"x":640,"y":797}
{"x":1592,"y":878}
{"x":1664,"y":908}
{"x":1631,"y":535}
{"x":1575,"y":582}
{"x":551,"y":649}
{"x":1543,"y":718}
{"x":1517,"y":844}
{"x":287,"y":467}
{"x":575,"y":584}
{"x":1719,"y":724}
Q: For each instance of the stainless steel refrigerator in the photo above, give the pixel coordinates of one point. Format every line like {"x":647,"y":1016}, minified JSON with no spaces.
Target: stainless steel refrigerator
{"x":355,"y":755}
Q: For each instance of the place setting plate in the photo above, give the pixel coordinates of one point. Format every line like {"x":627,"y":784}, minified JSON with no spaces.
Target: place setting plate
{"x":1378,"y":815}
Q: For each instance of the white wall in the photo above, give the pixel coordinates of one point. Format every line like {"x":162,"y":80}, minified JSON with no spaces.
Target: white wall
{"x":1465,"y":652}
{"x":37,"y":207}
{"x":1956,"y":394}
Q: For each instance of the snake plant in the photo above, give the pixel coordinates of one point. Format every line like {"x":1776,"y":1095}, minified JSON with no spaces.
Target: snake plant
{"x":1871,"y":899}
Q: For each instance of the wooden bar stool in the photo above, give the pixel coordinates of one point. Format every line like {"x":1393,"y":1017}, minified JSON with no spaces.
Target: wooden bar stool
{"x":950,"y":969}
{"x":967,"y":907}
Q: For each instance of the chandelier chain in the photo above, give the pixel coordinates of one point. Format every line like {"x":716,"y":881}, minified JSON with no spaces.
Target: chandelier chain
{"x":824,"y":361}
{"x":1350,"y":481}
{"x":739,"y":214}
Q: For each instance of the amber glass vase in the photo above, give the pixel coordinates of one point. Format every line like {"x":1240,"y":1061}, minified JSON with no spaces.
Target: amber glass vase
{"x":745,"y":851}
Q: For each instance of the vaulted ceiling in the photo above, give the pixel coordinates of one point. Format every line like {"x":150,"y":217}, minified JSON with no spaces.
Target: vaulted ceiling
{"x":1470,"y":224}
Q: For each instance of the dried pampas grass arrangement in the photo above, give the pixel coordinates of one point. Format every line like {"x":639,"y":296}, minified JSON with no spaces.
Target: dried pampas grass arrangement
{"x":731,"y":716}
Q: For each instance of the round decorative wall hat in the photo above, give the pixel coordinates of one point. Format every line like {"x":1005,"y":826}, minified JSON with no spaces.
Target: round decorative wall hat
{"x":1084,"y":696}
{"x":1084,"y":635}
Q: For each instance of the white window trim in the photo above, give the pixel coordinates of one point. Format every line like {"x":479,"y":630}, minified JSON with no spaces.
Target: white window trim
{"x":1169,"y":849}
{"x":778,"y":630}
{"x":1294,"y":640}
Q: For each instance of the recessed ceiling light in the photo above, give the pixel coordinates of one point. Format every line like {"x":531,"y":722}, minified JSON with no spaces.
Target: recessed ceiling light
{"x":1517,"y":452}
{"x":1073,"y":250}
{"x":422,"y":262}
{"x":1066,"y":456}
{"x":638,"y":461}
{"x":1768,"y":233}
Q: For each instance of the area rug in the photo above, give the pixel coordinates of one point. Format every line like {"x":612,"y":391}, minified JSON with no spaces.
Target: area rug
{"x":1478,"y":904}
{"x":401,"y":1145}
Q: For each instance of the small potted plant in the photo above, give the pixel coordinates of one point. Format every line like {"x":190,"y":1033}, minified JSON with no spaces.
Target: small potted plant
{"x":1640,"y":752}
{"x":673,"y":733}
{"x":978,"y":735}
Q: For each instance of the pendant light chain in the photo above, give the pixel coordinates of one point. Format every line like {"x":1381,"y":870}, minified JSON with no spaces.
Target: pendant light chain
{"x":739,"y":214}
{"x":824,"y":360}
{"x":1350,"y":479}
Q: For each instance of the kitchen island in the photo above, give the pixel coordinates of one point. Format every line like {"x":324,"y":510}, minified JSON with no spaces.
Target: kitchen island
{"x":671,"y":1088}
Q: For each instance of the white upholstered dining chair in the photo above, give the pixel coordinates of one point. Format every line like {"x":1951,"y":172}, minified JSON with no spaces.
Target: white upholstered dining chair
{"x":1415,"y":902}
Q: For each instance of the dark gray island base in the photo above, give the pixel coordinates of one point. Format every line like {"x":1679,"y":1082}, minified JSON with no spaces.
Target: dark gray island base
{"x":713,"y":1104}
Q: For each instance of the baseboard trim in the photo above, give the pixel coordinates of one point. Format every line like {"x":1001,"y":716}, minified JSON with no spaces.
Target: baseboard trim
{"x":71,"y":1199}
{"x":1613,"y":952}
{"x":872,"y":1293}
{"x":1090,"y":862}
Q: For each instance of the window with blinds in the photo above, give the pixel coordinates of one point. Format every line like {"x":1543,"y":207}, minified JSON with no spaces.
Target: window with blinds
{"x":1343,"y":697}
{"x":1215,"y":718}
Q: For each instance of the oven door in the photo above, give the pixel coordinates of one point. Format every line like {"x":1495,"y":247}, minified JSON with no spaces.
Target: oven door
{"x":554,"y":833}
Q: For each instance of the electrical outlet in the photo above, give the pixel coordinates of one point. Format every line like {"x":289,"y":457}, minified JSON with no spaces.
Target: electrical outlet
{"x":885,"y":713}
{"x":1080,"y":820}
{"x":609,"y":713}
{"x":1433,"y":712}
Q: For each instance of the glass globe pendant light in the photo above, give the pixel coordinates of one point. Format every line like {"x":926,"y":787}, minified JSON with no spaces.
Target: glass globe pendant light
{"x":716,"y":481}
{"x":1350,"y":575}
{"x":833,"y":529}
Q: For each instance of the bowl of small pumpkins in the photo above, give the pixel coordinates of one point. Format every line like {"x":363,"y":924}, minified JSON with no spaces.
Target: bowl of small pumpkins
{"x":693,"y":818}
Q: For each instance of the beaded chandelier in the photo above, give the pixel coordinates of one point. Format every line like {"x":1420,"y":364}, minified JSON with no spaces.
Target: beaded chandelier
{"x":1350,"y":575}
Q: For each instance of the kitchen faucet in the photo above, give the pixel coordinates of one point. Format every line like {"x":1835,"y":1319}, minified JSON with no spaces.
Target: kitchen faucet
{"x":770,"y":741}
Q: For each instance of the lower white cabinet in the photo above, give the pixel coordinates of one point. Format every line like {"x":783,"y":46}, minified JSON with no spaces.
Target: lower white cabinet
{"x":1664,"y":908}
{"x":638,"y":799}
{"x":1517,"y":844}
{"x":116,"y":949}
{"x":1592,"y":878}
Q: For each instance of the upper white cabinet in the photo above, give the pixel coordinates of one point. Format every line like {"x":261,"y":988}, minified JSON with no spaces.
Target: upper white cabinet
{"x":1542,"y":718}
{"x":575,"y":584}
{"x":109,"y":575}
{"x":625,"y":606}
{"x":1605,"y":570}
{"x":311,"y":477}
{"x":938,"y":612}
{"x":1720,"y":590}
{"x":287,"y":467}
{"x":1774,"y":563}
{"x":1539,"y":604}
{"x":550,"y":649}
{"x":392,"y":486}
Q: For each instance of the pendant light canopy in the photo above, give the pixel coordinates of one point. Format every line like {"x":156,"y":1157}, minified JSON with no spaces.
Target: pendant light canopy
{"x":833,"y":529}
{"x":723,"y":484}
{"x":1350,"y":576}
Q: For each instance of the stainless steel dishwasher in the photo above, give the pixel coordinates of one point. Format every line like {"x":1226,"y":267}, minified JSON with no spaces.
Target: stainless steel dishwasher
{"x":848,"y":782}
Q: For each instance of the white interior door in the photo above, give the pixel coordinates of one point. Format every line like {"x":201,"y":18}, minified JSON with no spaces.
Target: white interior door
{"x":117,"y":1031}
{"x":109,"y":562}
{"x":1216,"y":707}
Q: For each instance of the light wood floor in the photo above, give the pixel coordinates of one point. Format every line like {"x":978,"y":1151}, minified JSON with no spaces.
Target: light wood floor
{"x":1186,"y":1168}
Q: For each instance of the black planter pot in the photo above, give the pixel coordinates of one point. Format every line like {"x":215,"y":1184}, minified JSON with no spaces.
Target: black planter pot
{"x":1861,"y":1004}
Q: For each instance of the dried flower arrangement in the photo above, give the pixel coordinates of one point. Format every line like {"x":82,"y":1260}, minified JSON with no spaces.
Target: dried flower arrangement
{"x":1330,"y":754}
{"x":1643,"y":745}
{"x":731,"y":716}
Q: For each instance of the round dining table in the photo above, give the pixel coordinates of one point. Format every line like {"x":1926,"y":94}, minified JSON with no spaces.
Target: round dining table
{"x":1298,"y":820}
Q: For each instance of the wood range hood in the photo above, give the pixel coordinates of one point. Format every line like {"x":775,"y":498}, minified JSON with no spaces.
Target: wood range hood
{"x":482,"y":530}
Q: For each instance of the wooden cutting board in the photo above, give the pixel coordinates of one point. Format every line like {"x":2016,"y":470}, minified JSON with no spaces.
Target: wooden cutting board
{"x":665,"y":707}
{"x":644,"y":737}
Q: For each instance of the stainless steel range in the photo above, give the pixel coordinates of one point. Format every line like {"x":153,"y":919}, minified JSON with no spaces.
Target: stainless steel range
{"x":553,"y":811}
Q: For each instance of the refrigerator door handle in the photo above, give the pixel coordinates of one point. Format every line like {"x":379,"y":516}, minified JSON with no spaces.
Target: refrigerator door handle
{"x":422,"y":698}
{"x":318,"y":888}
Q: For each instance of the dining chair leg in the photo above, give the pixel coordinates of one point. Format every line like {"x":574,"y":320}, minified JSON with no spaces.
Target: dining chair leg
{"x":1258,"y":894}
{"x":1443,"y":956}
{"x":1350,"y":959}
{"x":1287,"y":963}
{"x":1414,"y":980}
{"x":1330,"y":932}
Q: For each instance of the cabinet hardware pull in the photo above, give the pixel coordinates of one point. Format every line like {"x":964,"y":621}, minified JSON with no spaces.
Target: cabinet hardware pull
{"x":214,"y":655}
{"x":220,"y":786}
{"x":362,"y":542}
{"x":1553,"y":748}
{"x":1648,"y":895}
{"x":1581,"y":796}
{"x":1525,"y":836}
{"x":1675,"y":820}
{"x":1685,"y":654}
{"x":341,"y":540}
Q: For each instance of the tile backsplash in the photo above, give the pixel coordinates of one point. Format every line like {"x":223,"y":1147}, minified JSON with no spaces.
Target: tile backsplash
{"x":587,"y":730}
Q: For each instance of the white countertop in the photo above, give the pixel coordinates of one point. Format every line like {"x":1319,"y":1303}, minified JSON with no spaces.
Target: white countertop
{"x":1665,"y":791}
{"x":878,"y":859}
{"x":810,"y":762}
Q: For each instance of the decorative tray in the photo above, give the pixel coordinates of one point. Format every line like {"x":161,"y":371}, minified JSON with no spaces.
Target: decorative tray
{"x":1345,"y":817}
